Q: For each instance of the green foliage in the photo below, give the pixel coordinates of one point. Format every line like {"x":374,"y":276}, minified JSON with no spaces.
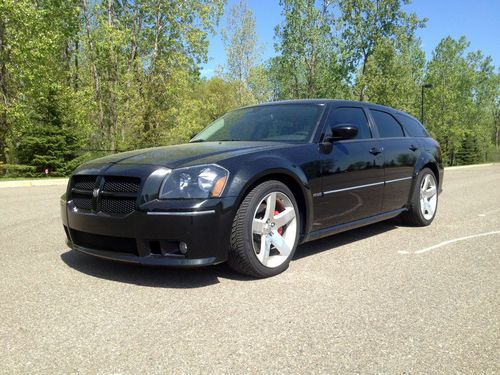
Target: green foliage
{"x":242,"y":69}
{"x":310,"y":64}
{"x":217,"y":97}
{"x":394,"y":74}
{"x":17,"y":170}
{"x":368,"y":50}
{"x":459,"y":106}
{"x":366,"y":24}
{"x":97,"y":75}
{"x":82,"y":75}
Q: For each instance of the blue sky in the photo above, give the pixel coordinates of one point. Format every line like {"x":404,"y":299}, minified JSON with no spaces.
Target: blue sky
{"x":478,"y":20}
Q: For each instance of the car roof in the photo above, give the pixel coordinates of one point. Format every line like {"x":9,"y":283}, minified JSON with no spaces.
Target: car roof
{"x":340,"y":102}
{"x":321,"y":102}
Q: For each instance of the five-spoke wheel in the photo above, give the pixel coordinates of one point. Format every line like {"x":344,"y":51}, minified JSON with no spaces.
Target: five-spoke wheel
{"x":274,"y":229}
{"x":265,"y":231}
{"x":424,"y":200}
{"x":428,"y":196}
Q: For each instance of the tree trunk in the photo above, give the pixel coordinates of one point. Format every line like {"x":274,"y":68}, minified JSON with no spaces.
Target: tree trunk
{"x":112,"y":71}
{"x":363,"y":87}
{"x":158,"y":30}
{"x":297,"y":90}
{"x":76,"y":76}
{"x":497,"y":137}
{"x":311,"y":82}
{"x":95,"y":74}
{"x":4,"y":125}
{"x":497,"y":129}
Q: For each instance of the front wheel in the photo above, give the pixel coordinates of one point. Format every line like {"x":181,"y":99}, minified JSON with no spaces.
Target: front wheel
{"x":265,"y":231}
{"x":424,"y":200}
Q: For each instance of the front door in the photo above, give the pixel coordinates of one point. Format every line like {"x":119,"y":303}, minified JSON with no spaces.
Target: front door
{"x":352,"y":173}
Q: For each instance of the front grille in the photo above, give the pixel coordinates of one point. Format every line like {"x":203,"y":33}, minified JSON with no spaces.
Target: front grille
{"x":116,"y":195}
{"x":84,"y":182}
{"x":83,"y":202}
{"x":117,"y":205}
{"x":121,"y":184}
{"x":107,"y":243}
{"x":81,"y":192}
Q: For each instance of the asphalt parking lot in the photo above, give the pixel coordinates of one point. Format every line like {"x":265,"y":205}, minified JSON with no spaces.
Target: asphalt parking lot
{"x":380,"y":299}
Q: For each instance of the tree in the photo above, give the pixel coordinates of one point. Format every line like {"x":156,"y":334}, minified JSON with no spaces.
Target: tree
{"x":259,"y":84}
{"x":51,"y":141}
{"x":141,"y":58}
{"x":116,"y":73}
{"x":457,"y":106}
{"x":243,"y":54}
{"x":4,"y":92}
{"x":394,"y":74}
{"x":366,"y":23}
{"x":208,"y":100}
{"x":120,"y":74}
{"x":309,"y":63}
{"x":36,"y":81}
{"x":495,"y":111}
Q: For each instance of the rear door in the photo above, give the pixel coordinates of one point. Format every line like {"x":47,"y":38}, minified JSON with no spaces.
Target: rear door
{"x":400,"y":156}
{"x":352,"y":174}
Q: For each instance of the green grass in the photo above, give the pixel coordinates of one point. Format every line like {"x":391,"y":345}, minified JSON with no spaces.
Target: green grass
{"x":27,"y":178}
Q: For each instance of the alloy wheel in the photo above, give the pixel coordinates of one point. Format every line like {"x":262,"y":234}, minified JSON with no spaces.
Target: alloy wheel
{"x":428,"y":196}
{"x":274,"y":229}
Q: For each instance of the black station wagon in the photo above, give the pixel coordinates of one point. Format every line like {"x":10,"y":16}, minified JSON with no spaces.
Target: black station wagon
{"x":254,"y":184}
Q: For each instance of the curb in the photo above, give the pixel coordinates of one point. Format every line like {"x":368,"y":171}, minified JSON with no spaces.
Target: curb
{"x":469,"y":166}
{"x":29,"y":183}
{"x":64,"y":181}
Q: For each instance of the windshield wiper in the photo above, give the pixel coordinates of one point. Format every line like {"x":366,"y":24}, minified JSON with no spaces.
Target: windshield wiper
{"x":218,"y":140}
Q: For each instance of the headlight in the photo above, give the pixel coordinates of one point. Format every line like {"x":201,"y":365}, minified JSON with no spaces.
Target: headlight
{"x":202,"y":181}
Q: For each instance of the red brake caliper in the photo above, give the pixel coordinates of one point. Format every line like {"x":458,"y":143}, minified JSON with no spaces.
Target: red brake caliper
{"x":280,"y":230}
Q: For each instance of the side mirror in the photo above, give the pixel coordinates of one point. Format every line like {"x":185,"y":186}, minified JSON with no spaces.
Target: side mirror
{"x":342,"y":131}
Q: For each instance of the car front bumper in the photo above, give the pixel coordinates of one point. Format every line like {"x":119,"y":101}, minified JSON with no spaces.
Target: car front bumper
{"x":152,"y":235}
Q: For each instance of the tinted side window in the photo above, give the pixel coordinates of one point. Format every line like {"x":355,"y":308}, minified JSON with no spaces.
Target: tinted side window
{"x":352,"y":115}
{"x":387,"y":125}
{"x":412,"y":126}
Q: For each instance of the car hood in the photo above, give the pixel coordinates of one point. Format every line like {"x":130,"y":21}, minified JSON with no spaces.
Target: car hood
{"x":184,"y":155}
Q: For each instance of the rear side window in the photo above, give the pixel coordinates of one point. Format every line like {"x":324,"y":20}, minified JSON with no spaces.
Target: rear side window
{"x":412,"y":126}
{"x":387,"y":125}
{"x":352,"y":115}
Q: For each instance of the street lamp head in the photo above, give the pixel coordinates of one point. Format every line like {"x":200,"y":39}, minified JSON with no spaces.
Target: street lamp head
{"x":427,"y":85}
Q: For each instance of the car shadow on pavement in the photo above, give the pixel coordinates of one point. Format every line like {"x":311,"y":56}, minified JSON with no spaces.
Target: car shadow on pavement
{"x":344,"y":238}
{"x":158,"y":277}
{"x":186,"y":278}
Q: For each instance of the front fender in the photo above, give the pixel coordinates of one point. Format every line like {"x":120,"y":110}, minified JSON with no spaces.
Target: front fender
{"x":264,"y":167}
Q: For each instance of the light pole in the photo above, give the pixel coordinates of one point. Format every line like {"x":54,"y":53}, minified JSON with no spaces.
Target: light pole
{"x":424,"y":86}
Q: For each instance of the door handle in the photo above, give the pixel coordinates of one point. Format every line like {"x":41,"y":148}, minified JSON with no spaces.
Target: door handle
{"x":413,"y":148}
{"x":376,"y":150}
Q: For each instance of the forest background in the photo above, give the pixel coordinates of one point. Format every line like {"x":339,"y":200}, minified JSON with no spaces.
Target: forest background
{"x":83,"y":78}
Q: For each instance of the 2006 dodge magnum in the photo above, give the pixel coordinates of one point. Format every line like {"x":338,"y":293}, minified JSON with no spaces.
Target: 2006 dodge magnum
{"x":254,"y":184}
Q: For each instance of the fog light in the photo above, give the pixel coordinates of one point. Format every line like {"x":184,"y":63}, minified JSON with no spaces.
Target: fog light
{"x":183,"y":247}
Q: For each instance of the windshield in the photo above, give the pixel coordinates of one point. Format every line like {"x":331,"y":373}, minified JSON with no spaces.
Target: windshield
{"x":280,"y":122}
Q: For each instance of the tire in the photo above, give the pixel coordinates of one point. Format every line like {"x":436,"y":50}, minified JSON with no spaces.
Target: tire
{"x":424,"y":200}
{"x":265,"y":231}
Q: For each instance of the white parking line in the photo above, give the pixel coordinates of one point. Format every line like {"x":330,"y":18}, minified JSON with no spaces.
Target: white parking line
{"x":444,"y":243}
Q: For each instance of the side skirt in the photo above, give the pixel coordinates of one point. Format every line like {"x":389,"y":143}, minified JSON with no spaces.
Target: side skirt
{"x":352,"y":225}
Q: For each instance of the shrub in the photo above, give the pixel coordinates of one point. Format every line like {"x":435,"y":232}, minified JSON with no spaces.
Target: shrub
{"x":17,"y":170}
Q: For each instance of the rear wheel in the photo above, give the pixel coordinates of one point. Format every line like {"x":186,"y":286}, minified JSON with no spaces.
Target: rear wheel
{"x":265,"y":231}
{"x":424,"y":200}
